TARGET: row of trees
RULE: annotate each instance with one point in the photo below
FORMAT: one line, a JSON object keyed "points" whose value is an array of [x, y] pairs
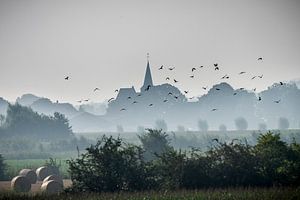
{"points": [[112, 165], [22, 121]]}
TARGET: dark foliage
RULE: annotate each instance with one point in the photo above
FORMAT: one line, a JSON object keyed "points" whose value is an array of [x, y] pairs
{"points": [[2, 168], [111, 165], [22, 121]]}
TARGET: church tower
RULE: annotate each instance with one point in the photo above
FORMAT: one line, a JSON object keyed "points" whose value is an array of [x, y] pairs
{"points": [[148, 77]]}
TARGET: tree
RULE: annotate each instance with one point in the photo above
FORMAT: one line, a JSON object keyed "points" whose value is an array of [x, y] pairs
{"points": [[262, 126], [161, 124], [222, 128], [202, 125], [154, 143], [283, 123], [2, 168], [241, 123], [109, 166]]}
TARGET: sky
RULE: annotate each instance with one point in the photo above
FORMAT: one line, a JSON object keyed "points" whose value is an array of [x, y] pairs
{"points": [[104, 44]]}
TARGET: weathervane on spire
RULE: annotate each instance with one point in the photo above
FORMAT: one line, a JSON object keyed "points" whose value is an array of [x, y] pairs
{"points": [[148, 57]]}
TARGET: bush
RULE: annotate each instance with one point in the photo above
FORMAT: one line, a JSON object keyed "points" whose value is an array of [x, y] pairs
{"points": [[109, 166], [2, 168], [161, 124]]}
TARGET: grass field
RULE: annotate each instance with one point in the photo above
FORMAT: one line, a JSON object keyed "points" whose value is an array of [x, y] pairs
{"points": [[212, 194], [14, 166]]}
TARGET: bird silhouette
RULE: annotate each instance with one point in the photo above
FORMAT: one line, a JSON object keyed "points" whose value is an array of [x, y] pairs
{"points": [[116, 90], [150, 104], [259, 58], [261, 76], [201, 66], [128, 97], [204, 88], [139, 95], [234, 93], [277, 101], [259, 98], [241, 88], [254, 89], [170, 93], [193, 69], [216, 66], [96, 89], [148, 87], [253, 77], [191, 76], [191, 97], [161, 67], [175, 81], [218, 89], [186, 91], [281, 83], [109, 100], [167, 78], [226, 76], [123, 109], [79, 101], [67, 78], [165, 100], [171, 68], [86, 100], [176, 97], [214, 109], [242, 72], [215, 139], [134, 102]]}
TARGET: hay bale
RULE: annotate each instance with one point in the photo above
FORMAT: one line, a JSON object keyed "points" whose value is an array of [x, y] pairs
{"points": [[51, 187], [43, 172], [29, 174], [20, 184], [54, 178]]}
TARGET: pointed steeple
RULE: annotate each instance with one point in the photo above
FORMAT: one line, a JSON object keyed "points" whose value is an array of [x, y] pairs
{"points": [[148, 78]]}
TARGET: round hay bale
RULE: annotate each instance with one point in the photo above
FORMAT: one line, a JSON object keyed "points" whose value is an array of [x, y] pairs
{"points": [[51, 187], [54, 178], [29, 174], [20, 184], [43, 172]]}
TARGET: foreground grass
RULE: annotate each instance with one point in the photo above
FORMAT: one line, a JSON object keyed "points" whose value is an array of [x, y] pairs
{"points": [[231, 193]]}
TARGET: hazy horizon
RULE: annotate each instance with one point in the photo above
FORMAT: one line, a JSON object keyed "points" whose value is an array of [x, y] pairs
{"points": [[104, 44]]}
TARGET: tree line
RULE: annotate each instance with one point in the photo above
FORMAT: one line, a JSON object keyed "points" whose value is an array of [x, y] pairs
{"points": [[113, 165]]}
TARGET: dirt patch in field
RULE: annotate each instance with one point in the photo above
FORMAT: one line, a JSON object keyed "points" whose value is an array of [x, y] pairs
{"points": [[5, 185]]}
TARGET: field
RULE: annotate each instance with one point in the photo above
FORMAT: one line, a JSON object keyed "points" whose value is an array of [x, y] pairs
{"points": [[224, 194]]}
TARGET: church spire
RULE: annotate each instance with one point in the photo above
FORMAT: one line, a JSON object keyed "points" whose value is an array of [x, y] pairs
{"points": [[148, 77]]}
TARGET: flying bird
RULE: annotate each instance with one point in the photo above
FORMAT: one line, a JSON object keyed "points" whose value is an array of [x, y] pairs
{"points": [[170, 93], [281, 83], [214, 109], [67, 78], [218, 89], [171, 68], [150, 104], [216, 66], [234, 93], [254, 89], [79, 101], [242, 72], [191, 97], [128, 97], [123, 109], [215, 139], [226, 76], [96, 89], [204, 88], [167, 78], [110, 99], [201, 66], [175, 81], [192, 76], [186, 92], [261, 76], [242, 88], [259, 98], [176, 97], [253, 77], [277, 101], [116, 90], [86, 100], [259, 58], [165, 100], [148, 87], [139, 95], [161, 67], [193, 69], [134, 102]]}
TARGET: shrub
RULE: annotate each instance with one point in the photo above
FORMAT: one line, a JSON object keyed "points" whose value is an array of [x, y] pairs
{"points": [[2, 168]]}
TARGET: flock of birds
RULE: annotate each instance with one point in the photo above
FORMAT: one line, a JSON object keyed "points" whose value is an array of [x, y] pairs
{"points": [[162, 67]]}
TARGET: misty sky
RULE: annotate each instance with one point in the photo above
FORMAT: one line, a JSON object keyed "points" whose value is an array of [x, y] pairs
{"points": [[104, 44]]}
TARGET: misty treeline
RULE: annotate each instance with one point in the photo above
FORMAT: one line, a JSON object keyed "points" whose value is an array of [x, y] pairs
{"points": [[113, 165]]}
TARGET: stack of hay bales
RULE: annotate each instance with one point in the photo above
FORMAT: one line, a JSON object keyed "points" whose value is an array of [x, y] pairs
{"points": [[43, 172], [20, 184], [54, 178], [29, 174]]}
